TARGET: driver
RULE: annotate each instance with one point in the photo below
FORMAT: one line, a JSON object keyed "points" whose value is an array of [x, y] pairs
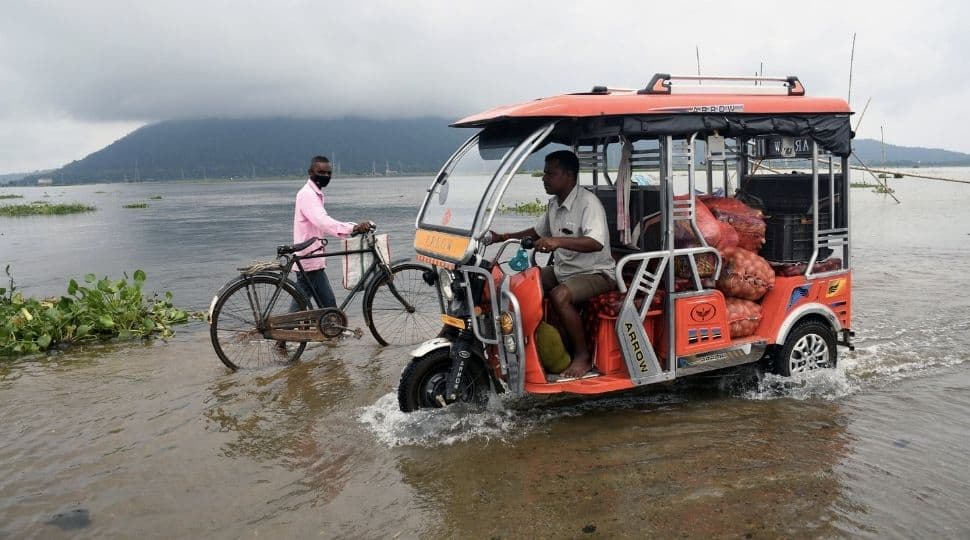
{"points": [[574, 229]]}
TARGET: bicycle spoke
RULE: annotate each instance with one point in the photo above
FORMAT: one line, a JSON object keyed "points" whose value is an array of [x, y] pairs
{"points": [[238, 338], [391, 319]]}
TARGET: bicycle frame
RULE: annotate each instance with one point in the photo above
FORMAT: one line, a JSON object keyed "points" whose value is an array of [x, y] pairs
{"points": [[370, 274], [378, 268]]}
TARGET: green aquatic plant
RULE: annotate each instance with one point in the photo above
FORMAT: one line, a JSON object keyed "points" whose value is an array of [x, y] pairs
{"points": [[41, 208], [10, 196], [534, 208], [136, 205], [155, 198], [100, 309]]}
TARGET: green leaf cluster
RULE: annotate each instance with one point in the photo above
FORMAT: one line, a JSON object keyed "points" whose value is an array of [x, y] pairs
{"points": [[43, 208], [534, 208], [99, 309]]}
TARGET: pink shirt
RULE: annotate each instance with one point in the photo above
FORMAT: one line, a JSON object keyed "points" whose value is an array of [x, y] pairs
{"points": [[310, 219]]}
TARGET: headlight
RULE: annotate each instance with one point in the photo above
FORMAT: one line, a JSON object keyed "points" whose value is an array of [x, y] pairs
{"points": [[445, 279], [506, 322]]}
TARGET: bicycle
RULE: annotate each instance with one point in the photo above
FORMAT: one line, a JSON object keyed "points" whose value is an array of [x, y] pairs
{"points": [[251, 322]]}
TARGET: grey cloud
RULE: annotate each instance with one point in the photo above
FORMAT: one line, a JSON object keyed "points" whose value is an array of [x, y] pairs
{"points": [[114, 61]]}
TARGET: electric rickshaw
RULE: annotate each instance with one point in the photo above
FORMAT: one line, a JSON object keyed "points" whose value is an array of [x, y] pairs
{"points": [[775, 287]]}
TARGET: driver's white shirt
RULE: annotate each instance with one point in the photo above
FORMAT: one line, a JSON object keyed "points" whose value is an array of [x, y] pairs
{"points": [[580, 214]]}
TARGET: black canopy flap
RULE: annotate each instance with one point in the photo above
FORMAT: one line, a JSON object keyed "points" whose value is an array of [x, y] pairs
{"points": [[833, 132]]}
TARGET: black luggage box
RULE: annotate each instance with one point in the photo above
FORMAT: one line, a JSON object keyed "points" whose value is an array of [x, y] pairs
{"points": [[786, 193], [788, 238]]}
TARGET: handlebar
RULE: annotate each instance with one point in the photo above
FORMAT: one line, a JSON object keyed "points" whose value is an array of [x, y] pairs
{"points": [[373, 228]]}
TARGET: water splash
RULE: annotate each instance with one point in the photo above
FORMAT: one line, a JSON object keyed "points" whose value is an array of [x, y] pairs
{"points": [[447, 426]]}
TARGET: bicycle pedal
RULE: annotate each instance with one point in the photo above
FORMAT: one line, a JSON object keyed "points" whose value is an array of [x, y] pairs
{"points": [[357, 333]]}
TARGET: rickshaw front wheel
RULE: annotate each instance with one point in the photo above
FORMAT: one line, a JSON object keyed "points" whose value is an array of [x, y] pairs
{"points": [[426, 378], [809, 346]]}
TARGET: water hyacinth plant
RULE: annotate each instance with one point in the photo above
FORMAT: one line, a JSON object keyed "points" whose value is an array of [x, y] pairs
{"points": [[43, 208], [534, 208], [100, 309]]}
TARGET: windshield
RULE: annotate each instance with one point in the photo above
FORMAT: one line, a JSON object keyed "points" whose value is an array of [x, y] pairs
{"points": [[467, 181]]}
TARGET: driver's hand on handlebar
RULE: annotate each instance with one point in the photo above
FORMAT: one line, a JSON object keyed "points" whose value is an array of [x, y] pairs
{"points": [[547, 244], [364, 226], [493, 237]]}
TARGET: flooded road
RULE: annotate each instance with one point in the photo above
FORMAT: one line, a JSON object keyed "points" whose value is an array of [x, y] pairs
{"points": [[158, 440]]}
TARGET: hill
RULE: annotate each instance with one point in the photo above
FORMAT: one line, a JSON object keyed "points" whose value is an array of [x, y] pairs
{"points": [[223, 148], [272, 147], [870, 151]]}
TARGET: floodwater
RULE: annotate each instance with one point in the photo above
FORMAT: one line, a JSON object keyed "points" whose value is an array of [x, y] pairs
{"points": [[158, 440]]}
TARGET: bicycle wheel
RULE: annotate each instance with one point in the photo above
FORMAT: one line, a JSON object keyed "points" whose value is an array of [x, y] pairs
{"points": [[236, 332], [390, 321]]}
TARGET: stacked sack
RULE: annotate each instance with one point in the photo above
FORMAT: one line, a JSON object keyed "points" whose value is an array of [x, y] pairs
{"points": [[712, 231], [737, 231], [747, 222], [745, 275]]}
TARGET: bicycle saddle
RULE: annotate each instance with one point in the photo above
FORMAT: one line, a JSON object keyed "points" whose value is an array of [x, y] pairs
{"points": [[286, 249]]}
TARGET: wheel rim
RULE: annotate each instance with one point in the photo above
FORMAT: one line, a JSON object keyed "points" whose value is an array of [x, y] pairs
{"points": [[398, 325], [434, 386], [810, 352], [238, 339]]}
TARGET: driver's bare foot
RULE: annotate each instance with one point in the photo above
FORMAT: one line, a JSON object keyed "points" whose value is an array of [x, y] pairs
{"points": [[579, 366]]}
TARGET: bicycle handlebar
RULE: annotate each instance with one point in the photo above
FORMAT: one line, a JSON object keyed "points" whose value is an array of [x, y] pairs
{"points": [[373, 228]]}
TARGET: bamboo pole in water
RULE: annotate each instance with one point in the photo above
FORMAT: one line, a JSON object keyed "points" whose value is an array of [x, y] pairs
{"points": [[883, 184], [924, 176]]}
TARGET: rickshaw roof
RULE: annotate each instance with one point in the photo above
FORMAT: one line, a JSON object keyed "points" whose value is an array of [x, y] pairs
{"points": [[666, 106], [632, 103]]}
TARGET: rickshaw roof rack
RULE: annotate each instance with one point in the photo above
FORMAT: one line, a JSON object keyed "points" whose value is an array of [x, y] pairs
{"points": [[667, 96], [663, 83]]}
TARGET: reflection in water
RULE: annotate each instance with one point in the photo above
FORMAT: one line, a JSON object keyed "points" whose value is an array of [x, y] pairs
{"points": [[684, 464], [275, 418]]}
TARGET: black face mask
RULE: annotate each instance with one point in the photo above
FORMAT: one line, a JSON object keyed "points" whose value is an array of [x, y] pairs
{"points": [[321, 180]]}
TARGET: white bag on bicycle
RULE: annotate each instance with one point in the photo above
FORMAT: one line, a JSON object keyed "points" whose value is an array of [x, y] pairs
{"points": [[356, 264]]}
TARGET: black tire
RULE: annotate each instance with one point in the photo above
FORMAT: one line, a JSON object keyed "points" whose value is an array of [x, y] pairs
{"points": [[810, 345], [236, 334], [426, 377], [389, 321]]}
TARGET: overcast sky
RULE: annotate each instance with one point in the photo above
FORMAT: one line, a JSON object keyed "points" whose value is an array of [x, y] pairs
{"points": [[75, 76]]}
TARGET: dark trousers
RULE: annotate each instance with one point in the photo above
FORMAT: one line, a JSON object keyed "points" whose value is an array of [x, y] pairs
{"points": [[315, 280]]}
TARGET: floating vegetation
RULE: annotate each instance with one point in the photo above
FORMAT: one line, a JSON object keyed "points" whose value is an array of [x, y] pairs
{"points": [[99, 310], [534, 208], [136, 205], [10, 196], [155, 198], [41, 208], [862, 185]]}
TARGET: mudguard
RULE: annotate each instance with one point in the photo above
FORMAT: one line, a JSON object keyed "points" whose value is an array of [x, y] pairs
{"points": [[800, 312], [430, 345]]}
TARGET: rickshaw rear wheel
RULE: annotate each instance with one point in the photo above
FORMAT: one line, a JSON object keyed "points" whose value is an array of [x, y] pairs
{"points": [[426, 377], [809, 346]]}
